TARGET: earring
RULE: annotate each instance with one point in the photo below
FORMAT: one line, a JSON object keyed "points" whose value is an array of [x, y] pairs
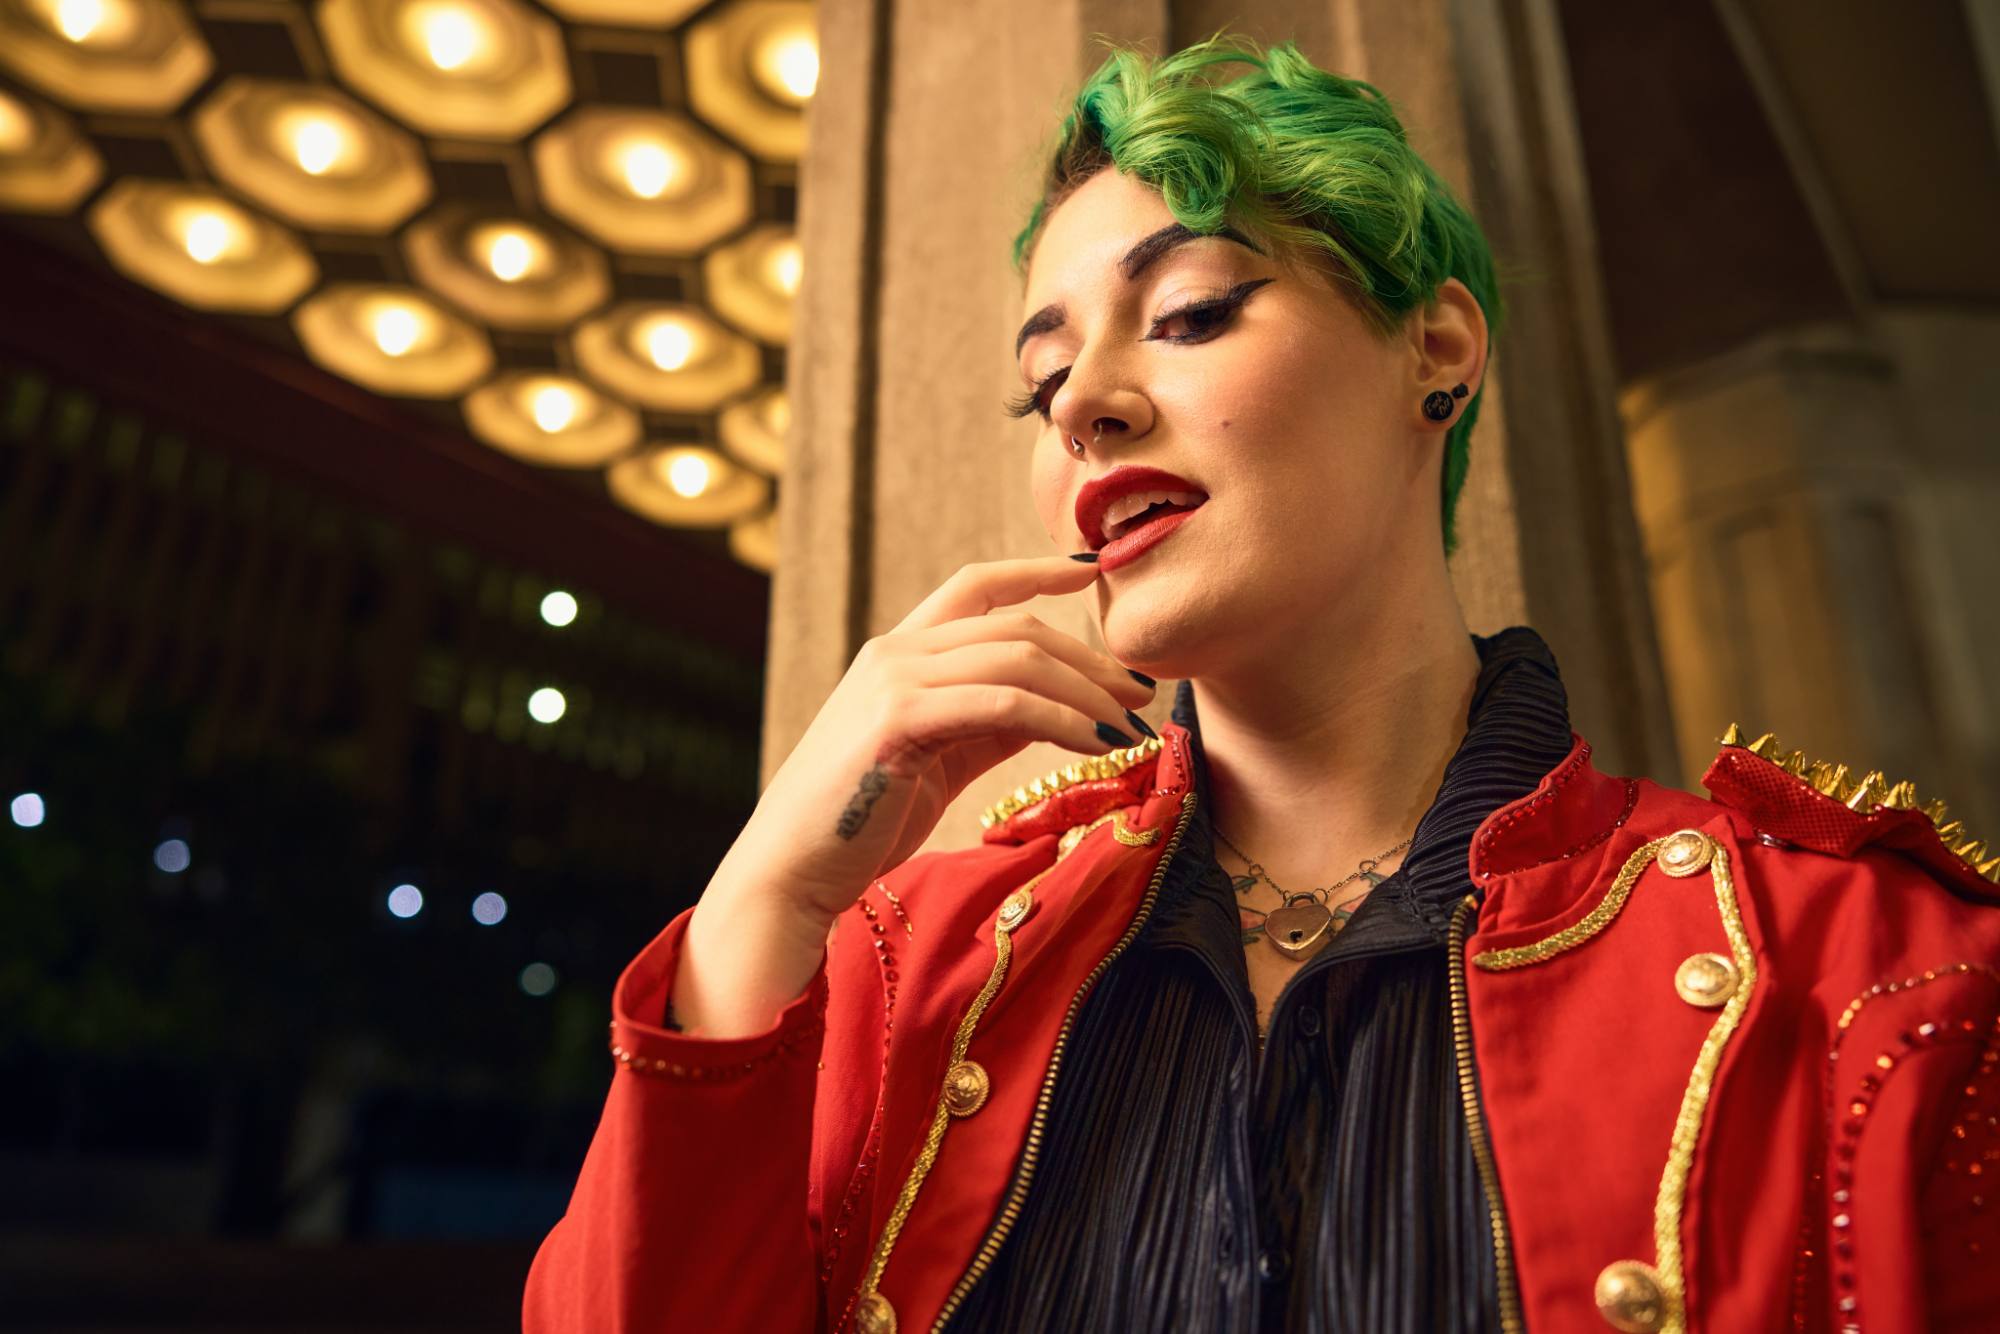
{"points": [[1438, 404]]}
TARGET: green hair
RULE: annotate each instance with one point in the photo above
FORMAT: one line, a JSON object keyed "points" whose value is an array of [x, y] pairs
{"points": [[1316, 164]]}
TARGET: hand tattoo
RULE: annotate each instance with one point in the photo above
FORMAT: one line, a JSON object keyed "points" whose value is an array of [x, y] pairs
{"points": [[873, 784]]}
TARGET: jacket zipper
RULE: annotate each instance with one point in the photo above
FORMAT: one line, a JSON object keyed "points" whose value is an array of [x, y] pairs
{"points": [[1475, 1121], [1010, 1209]]}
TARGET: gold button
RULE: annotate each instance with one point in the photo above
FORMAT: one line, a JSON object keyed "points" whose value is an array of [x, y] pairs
{"points": [[1707, 980], [1015, 909], [875, 1315], [1686, 852], [965, 1088], [1629, 1297]]}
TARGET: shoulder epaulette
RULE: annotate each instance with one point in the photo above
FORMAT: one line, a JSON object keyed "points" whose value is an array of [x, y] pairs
{"points": [[1873, 801], [1090, 768]]}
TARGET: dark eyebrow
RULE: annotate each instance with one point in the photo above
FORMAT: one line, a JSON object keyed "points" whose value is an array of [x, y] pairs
{"points": [[1045, 320], [1167, 238], [1135, 261]]}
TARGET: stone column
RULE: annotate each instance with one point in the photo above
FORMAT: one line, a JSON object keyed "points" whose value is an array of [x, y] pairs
{"points": [[1818, 532], [924, 150]]}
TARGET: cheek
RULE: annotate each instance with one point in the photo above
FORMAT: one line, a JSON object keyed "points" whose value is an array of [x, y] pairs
{"points": [[1048, 482]]}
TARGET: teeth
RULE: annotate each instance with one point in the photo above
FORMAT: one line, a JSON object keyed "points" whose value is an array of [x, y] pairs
{"points": [[1138, 502]]}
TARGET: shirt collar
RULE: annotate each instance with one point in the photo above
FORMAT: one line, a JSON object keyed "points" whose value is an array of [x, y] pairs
{"points": [[1517, 730]]}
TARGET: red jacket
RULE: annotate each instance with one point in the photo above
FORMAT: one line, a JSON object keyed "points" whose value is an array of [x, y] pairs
{"points": [[1729, 1065]]}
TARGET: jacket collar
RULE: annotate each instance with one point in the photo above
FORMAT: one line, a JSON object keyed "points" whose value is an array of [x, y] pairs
{"points": [[1517, 735]]}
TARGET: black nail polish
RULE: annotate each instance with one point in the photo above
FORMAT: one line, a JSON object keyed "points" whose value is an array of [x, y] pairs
{"points": [[1111, 736], [1087, 557], [1141, 677], [1140, 723]]}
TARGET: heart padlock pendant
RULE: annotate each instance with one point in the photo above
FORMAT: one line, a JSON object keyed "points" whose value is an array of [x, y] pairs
{"points": [[1301, 928]]}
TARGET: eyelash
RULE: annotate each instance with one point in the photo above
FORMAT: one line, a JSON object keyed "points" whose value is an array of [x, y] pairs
{"points": [[1038, 399]]}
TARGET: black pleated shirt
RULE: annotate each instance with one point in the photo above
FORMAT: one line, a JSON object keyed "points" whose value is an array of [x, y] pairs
{"points": [[1188, 1183]]}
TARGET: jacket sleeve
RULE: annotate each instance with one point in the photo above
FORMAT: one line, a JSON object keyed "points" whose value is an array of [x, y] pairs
{"points": [[691, 1208]]}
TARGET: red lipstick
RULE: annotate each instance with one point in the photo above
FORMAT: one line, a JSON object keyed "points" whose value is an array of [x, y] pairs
{"points": [[1096, 496]]}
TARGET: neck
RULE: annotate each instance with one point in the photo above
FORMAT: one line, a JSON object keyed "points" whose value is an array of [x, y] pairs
{"points": [[1354, 724]]}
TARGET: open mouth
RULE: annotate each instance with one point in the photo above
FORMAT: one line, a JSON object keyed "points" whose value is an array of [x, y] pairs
{"points": [[1129, 513]]}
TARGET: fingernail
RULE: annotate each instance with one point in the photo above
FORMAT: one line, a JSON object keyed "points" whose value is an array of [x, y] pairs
{"points": [[1140, 723], [1141, 677], [1087, 557], [1111, 736]]}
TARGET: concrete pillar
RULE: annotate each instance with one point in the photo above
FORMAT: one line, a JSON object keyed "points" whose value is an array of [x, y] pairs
{"points": [[925, 148], [1817, 510]]}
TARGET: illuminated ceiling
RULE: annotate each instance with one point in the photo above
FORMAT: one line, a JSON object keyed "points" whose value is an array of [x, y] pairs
{"points": [[566, 227]]}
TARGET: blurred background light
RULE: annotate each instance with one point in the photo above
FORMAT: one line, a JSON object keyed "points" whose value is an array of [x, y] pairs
{"points": [[558, 608], [538, 979], [27, 809], [406, 901], [172, 855], [546, 705], [489, 909]]}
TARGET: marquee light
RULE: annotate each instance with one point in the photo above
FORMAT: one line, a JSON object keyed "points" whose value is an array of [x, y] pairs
{"points": [[394, 340], [312, 155], [686, 486], [200, 248], [551, 419], [667, 357]]}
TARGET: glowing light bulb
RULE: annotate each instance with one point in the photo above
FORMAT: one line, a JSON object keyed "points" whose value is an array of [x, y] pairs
{"points": [[317, 144], [689, 475], [795, 62], [670, 344], [510, 255], [553, 407], [649, 169], [451, 36], [559, 608], [397, 329], [778, 413], [788, 265], [546, 705], [207, 235], [78, 19]]}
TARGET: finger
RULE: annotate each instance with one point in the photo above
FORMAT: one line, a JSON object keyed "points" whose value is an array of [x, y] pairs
{"points": [[1100, 667], [1022, 663], [980, 587], [939, 717]]}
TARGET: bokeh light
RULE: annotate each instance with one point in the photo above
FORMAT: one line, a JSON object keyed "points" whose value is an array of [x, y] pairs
{"points": [[538, 979], [558, 608], [28, 810], [406, 901], [489, 909], [546, 705], [172, 856]]}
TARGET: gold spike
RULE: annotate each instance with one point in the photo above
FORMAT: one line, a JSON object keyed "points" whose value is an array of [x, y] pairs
{"points": [[1816, 774], [1794, 763], [1834, 782], [1733, 737], [1951, 831], [1869, 795], [1902, 797], [1765, 745], [1990, 869], [1972, 850], [1936, 810]]}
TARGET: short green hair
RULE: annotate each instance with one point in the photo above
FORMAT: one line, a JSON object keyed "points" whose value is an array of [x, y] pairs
{"points": [[1316, 164]]}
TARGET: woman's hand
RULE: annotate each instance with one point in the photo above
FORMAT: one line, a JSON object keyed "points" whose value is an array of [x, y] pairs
{"points": [[925, 709]]}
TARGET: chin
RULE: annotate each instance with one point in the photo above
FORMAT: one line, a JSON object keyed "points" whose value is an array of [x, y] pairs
{"points": [[1159, 627]]}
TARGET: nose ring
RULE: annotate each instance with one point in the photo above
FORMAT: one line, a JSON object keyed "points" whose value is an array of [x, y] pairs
{"points": [[1096, 437]]}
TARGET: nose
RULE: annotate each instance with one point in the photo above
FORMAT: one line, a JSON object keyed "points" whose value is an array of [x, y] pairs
{"points": [[1096, 406]]}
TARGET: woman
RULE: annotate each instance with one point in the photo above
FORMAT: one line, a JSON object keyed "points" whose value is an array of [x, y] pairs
{"points": [[1357, 999]]}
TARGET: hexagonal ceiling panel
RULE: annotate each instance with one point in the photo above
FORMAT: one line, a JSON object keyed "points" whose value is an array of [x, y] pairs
{"points": [[565, 228]]}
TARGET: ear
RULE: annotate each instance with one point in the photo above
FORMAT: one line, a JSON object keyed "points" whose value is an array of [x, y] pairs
{"points": [[1448, 338]]}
